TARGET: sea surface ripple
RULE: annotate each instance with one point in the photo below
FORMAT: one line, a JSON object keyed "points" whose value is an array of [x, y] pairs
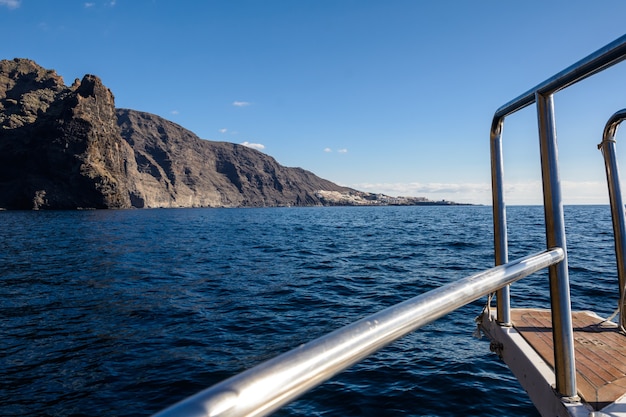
{"points": [[122, 313]]}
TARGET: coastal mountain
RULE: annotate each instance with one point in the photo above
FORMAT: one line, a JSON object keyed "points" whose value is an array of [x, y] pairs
{"points": [[172, 166], [69, 147]]}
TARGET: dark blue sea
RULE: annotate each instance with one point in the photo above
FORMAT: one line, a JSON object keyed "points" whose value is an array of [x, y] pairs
{"points": [[122, 313]]}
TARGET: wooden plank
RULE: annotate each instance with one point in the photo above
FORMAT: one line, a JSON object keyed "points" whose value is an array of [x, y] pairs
{"points": [[600, 351]]}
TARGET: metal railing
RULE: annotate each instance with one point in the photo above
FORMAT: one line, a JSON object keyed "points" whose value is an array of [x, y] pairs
{"points": [[272, 384], [542, 95], [607, 146]]}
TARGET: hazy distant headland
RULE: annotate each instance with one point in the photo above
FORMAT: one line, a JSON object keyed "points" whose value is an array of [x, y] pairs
{"points": [[69, 148]]}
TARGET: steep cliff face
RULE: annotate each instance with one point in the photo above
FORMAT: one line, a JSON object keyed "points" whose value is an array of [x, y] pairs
{"points": [[68, 147], [60, 147], [175, 168]]}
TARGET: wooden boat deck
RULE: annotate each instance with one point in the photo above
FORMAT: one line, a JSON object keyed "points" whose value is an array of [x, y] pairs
{"points": [[600, 351]]}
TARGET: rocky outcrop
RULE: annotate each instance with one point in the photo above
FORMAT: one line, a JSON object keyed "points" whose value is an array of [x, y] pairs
{"points": [[60, 147], [68, 147]]}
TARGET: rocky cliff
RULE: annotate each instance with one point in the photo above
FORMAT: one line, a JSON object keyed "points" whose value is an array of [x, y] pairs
{"points": [[69, 147], [172, 167], [60, 146]]}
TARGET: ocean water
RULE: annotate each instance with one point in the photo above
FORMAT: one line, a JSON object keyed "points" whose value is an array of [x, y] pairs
{"points": [[122, 313]]}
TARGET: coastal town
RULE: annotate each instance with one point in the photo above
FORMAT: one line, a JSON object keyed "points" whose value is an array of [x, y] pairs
{"points": [[359, 198]]}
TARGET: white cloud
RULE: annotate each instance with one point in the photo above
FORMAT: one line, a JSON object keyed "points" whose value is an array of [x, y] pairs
{"points": [[329, 150], [11, 4], [460, 193], [111, 3], [223, 130], [241, 103], [254, 145], [88, 5], [585, 192], [515, 193], [473, 193], [174, 112]]}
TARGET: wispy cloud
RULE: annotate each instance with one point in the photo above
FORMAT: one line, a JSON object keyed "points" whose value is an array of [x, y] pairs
{"points": [[174, 112], [329, 150], [516, 193], [585, 192], [432, 187], [111, 3], [475, 193], [11, 4], [254, 145], [88, 5], [241, 103], [223, 131]]}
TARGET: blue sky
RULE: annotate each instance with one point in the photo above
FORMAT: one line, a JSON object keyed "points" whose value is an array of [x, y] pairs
{"points": [[384, 96]]}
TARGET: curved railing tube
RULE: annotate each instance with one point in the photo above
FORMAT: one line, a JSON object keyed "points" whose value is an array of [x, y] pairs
{"points": [[272, 384], [542, 94], [607, 146], [598, 61]]}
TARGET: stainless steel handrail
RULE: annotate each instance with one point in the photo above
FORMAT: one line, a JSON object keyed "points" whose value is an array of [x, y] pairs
{"points": [[542, 94], [607, 146], [598, 61], [272, 384]]}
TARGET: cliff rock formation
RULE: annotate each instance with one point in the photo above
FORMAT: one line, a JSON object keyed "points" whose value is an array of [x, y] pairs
{"points": [[60, 146], [173, 167], [69, 147]]}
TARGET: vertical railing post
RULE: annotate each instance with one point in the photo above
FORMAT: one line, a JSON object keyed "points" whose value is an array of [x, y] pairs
{"points": [[503, 306], [607, 146], [562, 332]]}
